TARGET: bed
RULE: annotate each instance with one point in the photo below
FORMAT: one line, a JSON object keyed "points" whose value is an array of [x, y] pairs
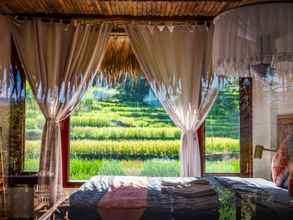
{"points": [[142, 198]]}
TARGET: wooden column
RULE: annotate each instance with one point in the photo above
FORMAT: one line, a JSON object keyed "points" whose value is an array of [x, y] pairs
{"points": [[246, 147]]}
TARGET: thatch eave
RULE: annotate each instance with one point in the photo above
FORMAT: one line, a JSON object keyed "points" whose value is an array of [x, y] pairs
{"points": [[120, 60]]}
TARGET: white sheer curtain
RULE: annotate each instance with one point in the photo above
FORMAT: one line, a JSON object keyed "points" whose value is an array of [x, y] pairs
{"points": [[5, 57], [176, 61], [60, 61], [251, 39]]}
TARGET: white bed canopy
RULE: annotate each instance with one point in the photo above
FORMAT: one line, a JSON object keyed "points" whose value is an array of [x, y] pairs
{"points": [[256, 38]]}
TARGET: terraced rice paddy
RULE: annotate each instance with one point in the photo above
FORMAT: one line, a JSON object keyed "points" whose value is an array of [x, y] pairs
{"points": [[123, 137]]}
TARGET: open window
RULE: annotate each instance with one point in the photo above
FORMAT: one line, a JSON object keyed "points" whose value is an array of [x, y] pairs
{"points": [[34, 122], [222, 131], [123, 130], [227, 133]]}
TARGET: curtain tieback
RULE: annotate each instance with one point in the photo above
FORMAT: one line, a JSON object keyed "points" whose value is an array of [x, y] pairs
{"points": [[45, 174], [189, 135], [53, 122]]}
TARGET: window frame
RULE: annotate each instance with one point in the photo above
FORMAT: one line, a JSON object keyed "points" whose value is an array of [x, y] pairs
{"points": [[245, 100], [246, 148]]}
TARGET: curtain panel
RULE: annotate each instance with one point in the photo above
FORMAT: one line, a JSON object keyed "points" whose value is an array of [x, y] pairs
{"points": [[6, 81], [176, 61], [60, 61]]}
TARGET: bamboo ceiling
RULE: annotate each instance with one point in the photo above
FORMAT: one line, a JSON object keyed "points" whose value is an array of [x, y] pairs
{"points": [[128, 8], [119, 58]]}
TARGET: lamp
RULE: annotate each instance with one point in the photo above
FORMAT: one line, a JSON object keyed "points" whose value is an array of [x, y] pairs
{"points": [[259, 151]]}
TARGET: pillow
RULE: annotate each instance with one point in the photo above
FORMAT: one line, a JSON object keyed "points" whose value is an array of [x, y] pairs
{"points": [[280, 163]]}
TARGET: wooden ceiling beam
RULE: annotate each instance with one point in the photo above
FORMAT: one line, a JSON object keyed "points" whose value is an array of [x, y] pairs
{"points": [[85, 1], [113, 18]]}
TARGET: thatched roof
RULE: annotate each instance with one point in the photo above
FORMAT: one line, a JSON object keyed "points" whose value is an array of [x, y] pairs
{"points": [[119, 58]]}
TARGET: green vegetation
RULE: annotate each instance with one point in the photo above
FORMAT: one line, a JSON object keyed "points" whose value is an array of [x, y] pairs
{"points": [[84, 169], [115, 132], [133, 149]]}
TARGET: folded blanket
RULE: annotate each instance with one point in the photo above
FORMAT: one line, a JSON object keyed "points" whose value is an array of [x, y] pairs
{"points": [[186, 184], [195, 188], [125, 200], [125, 194]]}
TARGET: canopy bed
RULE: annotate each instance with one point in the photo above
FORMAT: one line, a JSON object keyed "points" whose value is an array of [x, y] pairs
{"points": [[185, 60]]}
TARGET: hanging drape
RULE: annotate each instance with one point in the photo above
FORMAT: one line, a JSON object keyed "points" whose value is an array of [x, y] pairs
{"points": [[254, 39], [176, 63], [60, 61], [5, 57]]}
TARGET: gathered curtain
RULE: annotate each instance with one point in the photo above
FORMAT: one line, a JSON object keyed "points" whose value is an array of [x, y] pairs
{"points": [[60, 61], [176, 61]]}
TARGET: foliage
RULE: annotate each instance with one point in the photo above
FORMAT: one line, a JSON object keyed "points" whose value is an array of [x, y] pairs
{"points": [[109, 118], [220, 166], [84, 169], [31, 164], [157, 167], [115, 133], [221, 145], [130, 149], [111, 167], [225, 112], [133, 90]]}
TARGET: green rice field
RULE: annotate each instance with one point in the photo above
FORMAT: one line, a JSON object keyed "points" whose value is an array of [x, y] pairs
{"points": [[118, 133], [84, 169]]}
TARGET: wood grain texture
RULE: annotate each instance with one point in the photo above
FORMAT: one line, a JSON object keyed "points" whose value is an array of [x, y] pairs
{"points": [[171, 8], [246, 117]]}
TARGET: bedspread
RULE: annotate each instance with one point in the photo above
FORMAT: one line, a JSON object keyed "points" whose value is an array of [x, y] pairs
{"points": [[145, 198]]}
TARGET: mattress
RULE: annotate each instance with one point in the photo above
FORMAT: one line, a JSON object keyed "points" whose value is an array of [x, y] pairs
{"points": [[142, 198]]}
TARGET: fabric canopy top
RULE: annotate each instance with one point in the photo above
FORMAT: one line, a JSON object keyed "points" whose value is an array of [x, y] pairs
{"points": [[254, 39]]}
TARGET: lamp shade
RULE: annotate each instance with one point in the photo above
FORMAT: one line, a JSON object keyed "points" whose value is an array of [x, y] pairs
{"points": [[248, 36]]}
